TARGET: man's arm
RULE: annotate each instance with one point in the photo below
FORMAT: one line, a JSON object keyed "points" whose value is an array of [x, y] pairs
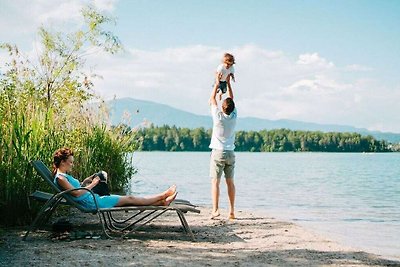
{"points": [[212, 100]]}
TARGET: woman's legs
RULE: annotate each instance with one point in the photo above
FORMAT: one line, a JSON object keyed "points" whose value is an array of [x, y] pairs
{"points": [[164, 198]]}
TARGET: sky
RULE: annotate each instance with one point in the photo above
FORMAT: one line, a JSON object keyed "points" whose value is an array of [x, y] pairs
{"points": [[330, 62]]}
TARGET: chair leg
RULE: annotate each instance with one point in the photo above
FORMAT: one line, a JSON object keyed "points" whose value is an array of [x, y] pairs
{"points": [[185, 225], [104, 224], [161, 212], [49, 212], [125, 220], [47, 208]]}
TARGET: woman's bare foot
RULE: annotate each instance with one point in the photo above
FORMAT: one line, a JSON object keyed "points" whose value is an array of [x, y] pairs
{"points": [[215, 214], [231, 216], [169, 199], [170, 191]]}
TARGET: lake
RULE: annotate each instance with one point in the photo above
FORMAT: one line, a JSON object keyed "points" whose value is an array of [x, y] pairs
{"points": [[353, 198]]}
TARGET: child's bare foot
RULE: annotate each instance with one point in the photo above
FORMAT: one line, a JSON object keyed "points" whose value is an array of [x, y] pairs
{"points": [[214, 214], [170, 191], [171, 198]]}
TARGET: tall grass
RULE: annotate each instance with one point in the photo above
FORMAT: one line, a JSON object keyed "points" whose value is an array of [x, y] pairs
{"points": [[42, 108], [29, 131]]}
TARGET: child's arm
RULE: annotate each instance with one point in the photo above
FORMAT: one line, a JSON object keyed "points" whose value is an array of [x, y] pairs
{"points": [[228, 83], [233, 77]]}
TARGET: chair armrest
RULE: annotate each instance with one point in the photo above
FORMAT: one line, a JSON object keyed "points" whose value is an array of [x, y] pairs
{"points": [[80, 188]]}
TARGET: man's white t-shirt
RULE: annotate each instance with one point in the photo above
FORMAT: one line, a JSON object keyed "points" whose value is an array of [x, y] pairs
{"points": [[225, 72], [223, 133]]}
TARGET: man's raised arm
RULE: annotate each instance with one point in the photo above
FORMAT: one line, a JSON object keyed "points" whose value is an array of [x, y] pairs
{"points": [[212, 100]]}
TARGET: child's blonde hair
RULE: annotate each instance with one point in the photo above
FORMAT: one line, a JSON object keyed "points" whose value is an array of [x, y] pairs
{"points": [[228, 58]]}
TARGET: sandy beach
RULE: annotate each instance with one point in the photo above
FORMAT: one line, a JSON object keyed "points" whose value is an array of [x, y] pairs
{"points": [[250, 240]]}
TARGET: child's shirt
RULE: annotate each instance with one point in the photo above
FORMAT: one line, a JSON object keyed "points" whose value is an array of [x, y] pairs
{"points": [[225, 72]]}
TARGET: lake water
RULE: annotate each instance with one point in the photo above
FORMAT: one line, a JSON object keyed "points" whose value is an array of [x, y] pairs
{"points": [[352, 198]]}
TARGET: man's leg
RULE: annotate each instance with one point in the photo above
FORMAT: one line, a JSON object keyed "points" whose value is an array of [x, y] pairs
{"points": [[215, 197], [231, 194], [229, 174], [216, 168]]}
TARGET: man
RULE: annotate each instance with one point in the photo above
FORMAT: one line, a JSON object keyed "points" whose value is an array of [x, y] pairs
{"points": [[222, 145]]}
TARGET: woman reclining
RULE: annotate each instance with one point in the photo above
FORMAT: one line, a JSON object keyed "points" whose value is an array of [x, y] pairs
{"points": [[62, 164]]}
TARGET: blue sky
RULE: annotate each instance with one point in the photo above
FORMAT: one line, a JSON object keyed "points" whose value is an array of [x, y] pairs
{"points": [[366, 32], [317, 61]]}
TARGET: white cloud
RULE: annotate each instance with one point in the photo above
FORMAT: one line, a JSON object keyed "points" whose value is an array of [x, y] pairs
{"points": [[320, 85], [269, 85], [356, 67], [314, 60], [20, 19]]}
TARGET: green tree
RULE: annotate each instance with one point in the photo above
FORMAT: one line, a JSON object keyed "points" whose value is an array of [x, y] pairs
{"points": [[43, 107]]}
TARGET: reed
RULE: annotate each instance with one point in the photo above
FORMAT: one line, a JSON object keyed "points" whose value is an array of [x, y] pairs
{"points": [[29, 131], [43, 106]]}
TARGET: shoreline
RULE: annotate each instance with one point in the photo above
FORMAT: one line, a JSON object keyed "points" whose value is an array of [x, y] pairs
{"points": [[253, 239], [325, 229]]}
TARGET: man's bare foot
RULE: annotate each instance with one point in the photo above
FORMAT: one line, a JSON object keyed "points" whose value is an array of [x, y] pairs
{"points": [[171, 198], [170, 191], [231, 216], [214, 214]]}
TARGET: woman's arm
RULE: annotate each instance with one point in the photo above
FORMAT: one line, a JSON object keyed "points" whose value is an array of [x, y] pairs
{"points": [[88, 180], [63, 182]]}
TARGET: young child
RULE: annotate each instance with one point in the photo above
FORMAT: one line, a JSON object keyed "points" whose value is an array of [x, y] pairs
{"points": [[225, 72]]}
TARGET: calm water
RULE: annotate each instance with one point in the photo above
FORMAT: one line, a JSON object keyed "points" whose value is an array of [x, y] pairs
{"points": [[351, 198]]}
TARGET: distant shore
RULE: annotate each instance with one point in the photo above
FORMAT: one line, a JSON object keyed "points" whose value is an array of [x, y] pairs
{"points": [[250, 240]]}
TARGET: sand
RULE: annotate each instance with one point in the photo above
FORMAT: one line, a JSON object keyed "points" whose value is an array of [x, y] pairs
{"points": [[250, 240]]}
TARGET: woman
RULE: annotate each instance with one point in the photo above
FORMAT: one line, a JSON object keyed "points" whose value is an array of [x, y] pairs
{"points": [[62, 164]]}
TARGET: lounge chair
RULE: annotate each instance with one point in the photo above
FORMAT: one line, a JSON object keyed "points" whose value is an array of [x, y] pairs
{"points": [[110, 225]]}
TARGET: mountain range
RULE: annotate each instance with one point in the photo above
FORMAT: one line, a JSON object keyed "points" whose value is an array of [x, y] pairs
{"points": [[141, 113]]}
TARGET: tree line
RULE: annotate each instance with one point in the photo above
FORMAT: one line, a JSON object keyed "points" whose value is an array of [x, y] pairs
{"points": [[171, 138]]}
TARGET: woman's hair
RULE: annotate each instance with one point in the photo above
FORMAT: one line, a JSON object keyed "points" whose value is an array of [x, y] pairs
{"points": [[60, 155], [229, 58]]}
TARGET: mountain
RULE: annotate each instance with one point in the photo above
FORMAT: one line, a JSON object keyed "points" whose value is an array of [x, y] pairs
{"points": [[141, 113]]}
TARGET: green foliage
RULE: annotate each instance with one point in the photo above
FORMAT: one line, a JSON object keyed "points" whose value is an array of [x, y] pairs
{"points": [[281, 140], [43, 106]]}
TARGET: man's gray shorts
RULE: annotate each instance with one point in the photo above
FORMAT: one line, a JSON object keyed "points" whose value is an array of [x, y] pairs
{"points": [[222, 161]]}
